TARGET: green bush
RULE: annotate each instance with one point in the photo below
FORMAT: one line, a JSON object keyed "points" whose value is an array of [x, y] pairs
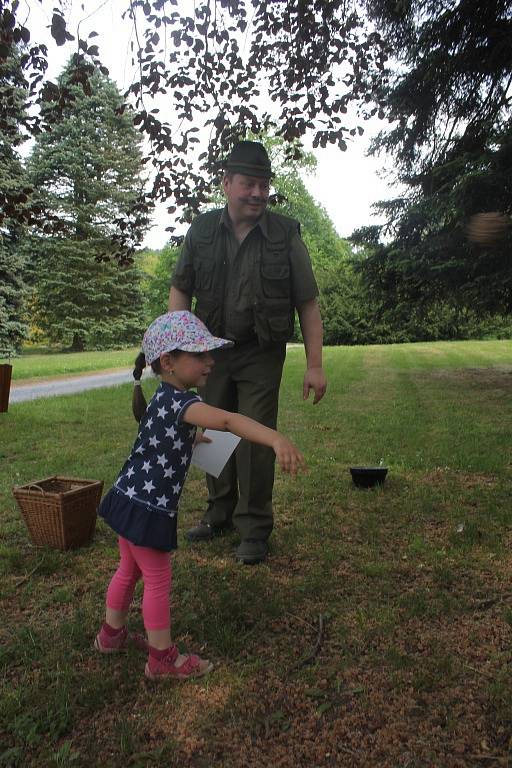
{"points": [[157, 284], [352, 315]]}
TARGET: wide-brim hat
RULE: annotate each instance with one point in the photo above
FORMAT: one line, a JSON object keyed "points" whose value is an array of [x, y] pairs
{"points": [[249, 158], [179, 330]]}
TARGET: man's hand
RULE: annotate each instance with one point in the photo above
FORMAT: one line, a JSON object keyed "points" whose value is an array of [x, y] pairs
{"points": [[314, 379]]}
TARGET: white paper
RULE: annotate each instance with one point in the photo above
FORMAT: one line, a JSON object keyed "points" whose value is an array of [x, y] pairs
{"points": [[212, 457]]}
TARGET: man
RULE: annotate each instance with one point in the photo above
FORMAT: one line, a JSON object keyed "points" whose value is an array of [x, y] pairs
{"points": [[249, 270]]}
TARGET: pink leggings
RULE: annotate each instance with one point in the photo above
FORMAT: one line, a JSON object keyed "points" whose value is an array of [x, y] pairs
{"points": [[155, 568]]}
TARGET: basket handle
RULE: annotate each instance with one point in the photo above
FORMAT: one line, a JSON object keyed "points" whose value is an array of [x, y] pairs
{"points": [[34, 485]]}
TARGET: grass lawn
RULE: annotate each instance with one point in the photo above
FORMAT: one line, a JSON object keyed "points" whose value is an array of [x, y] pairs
{"points": [[378, 633], [38, 366]]}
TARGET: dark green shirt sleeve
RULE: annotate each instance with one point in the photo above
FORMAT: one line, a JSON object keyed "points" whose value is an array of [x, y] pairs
{"points": [[184, 276], [304, 287]]}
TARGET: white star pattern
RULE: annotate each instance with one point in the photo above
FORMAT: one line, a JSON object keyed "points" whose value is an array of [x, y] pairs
{"points": [[148, 486], [155, 472]]}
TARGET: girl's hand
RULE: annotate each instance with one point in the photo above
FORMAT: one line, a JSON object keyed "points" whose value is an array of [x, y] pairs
{"points": [[200, 438], [289, 457]]}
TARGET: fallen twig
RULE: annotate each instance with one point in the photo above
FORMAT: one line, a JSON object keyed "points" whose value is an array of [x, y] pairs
{"points": [[478, 671], [299, 618], [27, 576], [487, 602], [312, 656]]}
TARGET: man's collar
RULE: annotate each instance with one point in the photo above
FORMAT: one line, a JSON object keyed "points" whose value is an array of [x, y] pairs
{"points": [[224, 218], [262, 222]]}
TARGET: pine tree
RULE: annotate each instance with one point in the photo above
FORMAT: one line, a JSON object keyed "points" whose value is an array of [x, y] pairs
{"points": [[12, 192], [449, 103], [87, 171]]}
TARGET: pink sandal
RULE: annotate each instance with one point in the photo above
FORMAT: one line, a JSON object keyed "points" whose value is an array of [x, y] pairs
{"points": [[105, 643], [193, 666]]}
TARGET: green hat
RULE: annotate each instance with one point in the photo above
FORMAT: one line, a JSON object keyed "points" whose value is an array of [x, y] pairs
{"points": [[249, 158]]}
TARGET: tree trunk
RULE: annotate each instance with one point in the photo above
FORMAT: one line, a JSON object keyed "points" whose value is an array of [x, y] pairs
{"points": [[78, 344]]}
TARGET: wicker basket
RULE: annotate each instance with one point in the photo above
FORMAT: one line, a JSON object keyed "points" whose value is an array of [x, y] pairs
{"points": [[60, 512]]}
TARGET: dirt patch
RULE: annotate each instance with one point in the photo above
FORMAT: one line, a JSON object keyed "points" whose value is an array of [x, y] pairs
{"points": [[497, 376], [441, 476], [424, 696], [434, 711]]}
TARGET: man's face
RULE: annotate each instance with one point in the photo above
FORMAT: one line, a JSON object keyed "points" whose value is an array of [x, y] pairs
{"points": [[247, 196]]}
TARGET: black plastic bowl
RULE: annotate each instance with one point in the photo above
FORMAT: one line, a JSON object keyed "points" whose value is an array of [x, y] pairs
{"points": [[368, 477]]}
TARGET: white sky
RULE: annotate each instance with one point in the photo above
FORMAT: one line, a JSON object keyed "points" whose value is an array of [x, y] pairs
{"points": [[346, 183]]}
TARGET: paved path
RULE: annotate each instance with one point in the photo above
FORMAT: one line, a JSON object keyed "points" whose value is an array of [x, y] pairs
{"points": [[69, 386], [73, 384]]}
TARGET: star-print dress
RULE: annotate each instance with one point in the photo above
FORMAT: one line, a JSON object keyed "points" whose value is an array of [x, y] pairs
{"points": [[142, 505]]}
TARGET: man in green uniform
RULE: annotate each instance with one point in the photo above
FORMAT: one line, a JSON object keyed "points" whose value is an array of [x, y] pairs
{"points": [[249, 271]]}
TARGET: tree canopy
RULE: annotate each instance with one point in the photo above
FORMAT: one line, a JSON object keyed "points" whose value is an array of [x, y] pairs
{"points": [[449, 101], [230, 66], [440, 72], [452, 83]]}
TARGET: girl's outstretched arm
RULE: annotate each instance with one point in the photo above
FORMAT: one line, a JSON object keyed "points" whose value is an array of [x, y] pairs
{"points": [[289, 457]]}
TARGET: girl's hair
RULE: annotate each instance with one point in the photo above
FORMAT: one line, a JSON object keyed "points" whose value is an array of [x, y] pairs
{"points": [[139, 403]]}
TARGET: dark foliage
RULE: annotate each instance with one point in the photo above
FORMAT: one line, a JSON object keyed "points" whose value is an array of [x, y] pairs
{"points": [[213, 62], [453, 82], [13, 198], [451, 142]]}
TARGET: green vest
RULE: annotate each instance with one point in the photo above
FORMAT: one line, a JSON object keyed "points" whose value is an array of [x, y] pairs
{"points": [[273, 305]]}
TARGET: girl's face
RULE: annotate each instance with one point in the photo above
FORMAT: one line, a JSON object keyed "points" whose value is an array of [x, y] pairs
{"points": [[186, 369]]}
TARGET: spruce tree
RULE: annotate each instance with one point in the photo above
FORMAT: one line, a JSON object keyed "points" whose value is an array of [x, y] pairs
{"points": [[12, 195], [87, 171]]}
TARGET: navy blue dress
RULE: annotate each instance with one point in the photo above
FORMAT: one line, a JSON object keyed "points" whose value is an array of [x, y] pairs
{"points": [[142, 505]]}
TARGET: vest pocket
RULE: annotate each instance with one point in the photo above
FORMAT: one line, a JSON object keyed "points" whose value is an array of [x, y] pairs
{"points": [[209, 312], [280, 327], [271, 330], [204, 275], [275, 280]]}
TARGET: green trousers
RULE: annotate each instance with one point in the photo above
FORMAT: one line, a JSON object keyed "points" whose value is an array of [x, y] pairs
{"points": [[245, 379]]}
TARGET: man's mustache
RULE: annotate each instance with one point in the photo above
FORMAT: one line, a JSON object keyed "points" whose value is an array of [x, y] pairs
{"points": [[253, 200]]}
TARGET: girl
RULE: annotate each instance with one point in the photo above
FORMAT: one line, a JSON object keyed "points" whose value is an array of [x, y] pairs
{"points": [[143, 502]]}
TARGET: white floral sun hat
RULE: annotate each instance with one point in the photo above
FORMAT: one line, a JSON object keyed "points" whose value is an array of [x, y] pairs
{"points": [[179, 330]]}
